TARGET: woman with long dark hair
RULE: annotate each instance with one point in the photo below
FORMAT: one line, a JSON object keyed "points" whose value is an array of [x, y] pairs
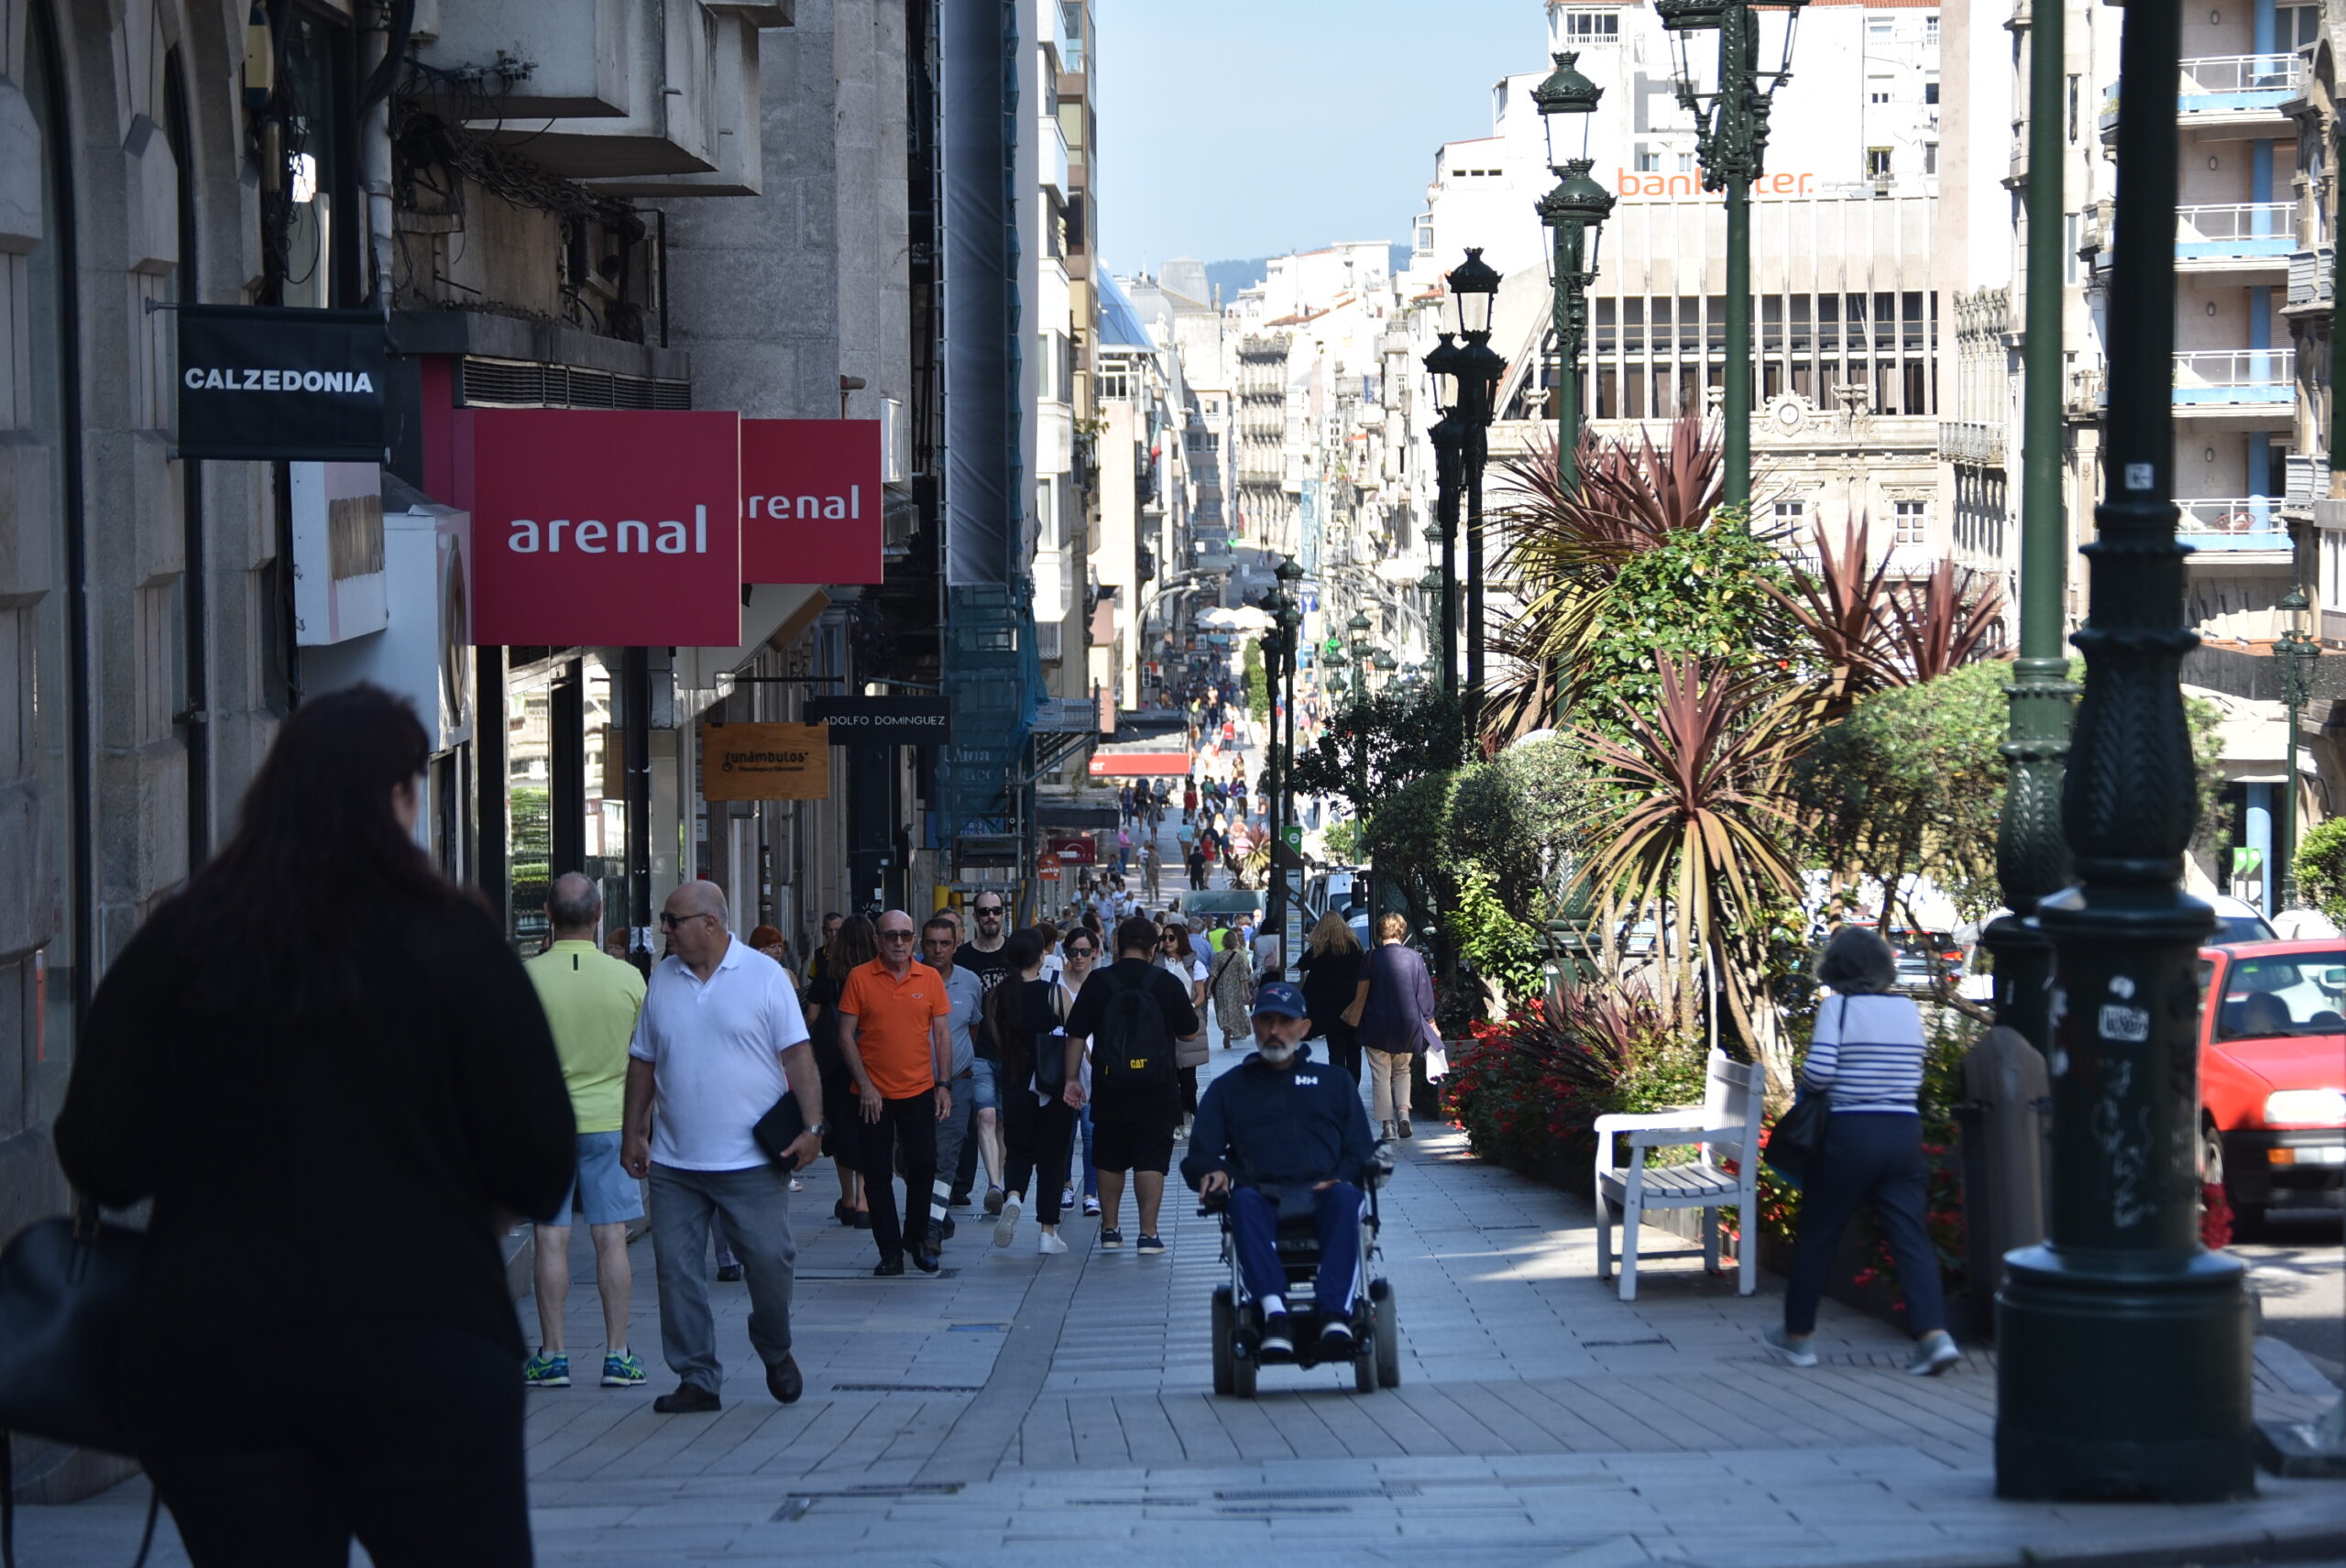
{"points": [[856, 944], [1026, 1016], [331, 1076]]}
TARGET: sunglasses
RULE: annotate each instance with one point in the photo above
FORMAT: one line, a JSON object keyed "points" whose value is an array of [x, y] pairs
{"points": [[982, 910], [1081, 952], [895, 936], [670, 922]]}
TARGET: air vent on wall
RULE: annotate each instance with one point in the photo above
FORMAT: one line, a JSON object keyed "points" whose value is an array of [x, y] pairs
{"points": [[517, 384]]}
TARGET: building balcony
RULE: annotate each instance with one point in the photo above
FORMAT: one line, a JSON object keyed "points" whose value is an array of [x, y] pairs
{"points": [[1972, 442], [2254, 237], [2308, 480], [2232, 93], [2234, 531], [2313, 276], [2254, 385]]}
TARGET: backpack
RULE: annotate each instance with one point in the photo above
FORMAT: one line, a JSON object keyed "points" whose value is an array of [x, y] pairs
{"points": [[1132, 1053]]}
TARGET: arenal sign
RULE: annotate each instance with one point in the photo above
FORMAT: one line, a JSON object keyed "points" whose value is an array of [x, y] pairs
{"points": [[812, 504], [602, 526], [280, 383]]}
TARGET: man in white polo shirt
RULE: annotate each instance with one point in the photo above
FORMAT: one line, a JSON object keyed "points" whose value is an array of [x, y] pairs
{"points": [[720, 1040]]}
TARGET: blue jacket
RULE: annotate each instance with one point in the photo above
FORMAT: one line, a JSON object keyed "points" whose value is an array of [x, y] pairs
{"points": [[1269, 1125]]}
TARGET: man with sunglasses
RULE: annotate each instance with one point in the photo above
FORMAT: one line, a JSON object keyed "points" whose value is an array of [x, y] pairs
{"points": [[900, 1052], [719, 1042], [982, 956]]}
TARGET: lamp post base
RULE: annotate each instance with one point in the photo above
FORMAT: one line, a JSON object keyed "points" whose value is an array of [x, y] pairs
{"points": [[2124, 1377]]}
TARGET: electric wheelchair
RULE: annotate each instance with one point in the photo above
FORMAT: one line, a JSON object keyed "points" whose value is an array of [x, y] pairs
{"points": [[1375, 1351]]}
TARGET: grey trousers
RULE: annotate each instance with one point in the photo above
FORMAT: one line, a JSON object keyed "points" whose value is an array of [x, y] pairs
{"points": [[755, 1203], [952, 1136]]}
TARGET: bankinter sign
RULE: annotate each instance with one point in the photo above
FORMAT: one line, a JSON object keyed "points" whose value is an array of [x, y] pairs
{"points": [[602, 527]]}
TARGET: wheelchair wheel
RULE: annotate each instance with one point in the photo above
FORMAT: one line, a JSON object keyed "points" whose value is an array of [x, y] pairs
{"points": [[1225, 1333], [1364, 1373], [1388, 1334]]}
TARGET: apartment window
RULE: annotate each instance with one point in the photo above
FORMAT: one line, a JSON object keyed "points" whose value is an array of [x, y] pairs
{"points": [[2072, 236], [1879, 28], [1584, 28], [2074, 90], [1685, 163], [1790, 514], [1930, 91], [1879, 96], [1649, 160], [1877, 163], [1930, 30], [1044, 360], [1913, 520], [1930, 157], [1425, 238], [2296, 26], [2333, 569]]}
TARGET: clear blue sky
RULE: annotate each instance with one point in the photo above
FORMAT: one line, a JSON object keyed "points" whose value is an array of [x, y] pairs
{"points": [[1232, 128]]}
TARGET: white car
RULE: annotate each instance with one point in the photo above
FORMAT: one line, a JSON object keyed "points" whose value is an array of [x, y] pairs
{"points": [[2239, 921]]}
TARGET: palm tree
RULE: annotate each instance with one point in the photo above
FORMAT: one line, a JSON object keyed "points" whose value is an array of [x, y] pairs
{"points": [[1872, 634], [1698, 835]]}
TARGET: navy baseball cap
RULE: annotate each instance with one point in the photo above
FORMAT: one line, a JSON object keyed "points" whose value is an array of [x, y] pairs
{"points": [[1282, 999]]}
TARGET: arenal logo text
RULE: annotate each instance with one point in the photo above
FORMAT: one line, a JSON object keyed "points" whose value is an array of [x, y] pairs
{"points": [[848, 506], [631, 536], [197, 380]]}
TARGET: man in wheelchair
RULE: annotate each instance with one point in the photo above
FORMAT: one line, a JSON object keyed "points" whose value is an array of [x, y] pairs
{"points": [[1282, 1137]]}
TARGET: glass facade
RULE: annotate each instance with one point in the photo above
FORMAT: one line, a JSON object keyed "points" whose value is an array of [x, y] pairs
{"points": [[565, 805]]}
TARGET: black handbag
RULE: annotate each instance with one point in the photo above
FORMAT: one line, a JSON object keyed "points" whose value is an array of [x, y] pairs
{"points": [[1799, 1133], [66, 1284]]}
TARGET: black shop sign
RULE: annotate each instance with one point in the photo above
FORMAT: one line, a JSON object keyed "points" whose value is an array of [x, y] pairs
{"points": [[282, 384], [883, 720]]}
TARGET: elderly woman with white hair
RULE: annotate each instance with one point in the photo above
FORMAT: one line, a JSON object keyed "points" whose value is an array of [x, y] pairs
{"points": [[1865, 1056]]}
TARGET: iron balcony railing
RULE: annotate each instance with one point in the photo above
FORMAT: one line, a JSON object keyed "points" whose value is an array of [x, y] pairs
{"points": [[2308, 480], [2238, 83], [2235, 378], [2236, 230], [2232, 522]]}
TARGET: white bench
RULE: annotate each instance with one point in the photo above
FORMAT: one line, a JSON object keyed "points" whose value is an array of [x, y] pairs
{"points": [[1725, 1127]]}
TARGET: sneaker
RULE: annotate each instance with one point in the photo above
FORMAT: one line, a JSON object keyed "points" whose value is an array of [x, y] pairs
{"points": [[1109, 1239], [1336, 1336], [622, 1369], [730, 1273], [1278, 1344], [796, 1184], [1007, 1226], [1049, 1245], [544, 1371], [1384, 1132], [1790, 1351], [1149, 1247], [994, 1196], [1934, 1354], [1067, 1201], [1405, 1128], [1090, 1207], [960, 1201]]}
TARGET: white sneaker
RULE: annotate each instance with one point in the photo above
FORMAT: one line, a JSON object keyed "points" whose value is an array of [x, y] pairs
{"points": [[1790, 1351], [1007, 1226], [1934, 1354], [1049, 1245]]}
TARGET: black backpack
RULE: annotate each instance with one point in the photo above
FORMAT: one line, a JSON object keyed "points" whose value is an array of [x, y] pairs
{"points": [[1132, 1053]]}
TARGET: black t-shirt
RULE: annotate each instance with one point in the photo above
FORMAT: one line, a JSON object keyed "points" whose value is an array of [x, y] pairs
{"points": [[1172, 995]]}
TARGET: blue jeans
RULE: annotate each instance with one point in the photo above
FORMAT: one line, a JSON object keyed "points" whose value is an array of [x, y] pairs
{"points": [[1254, 1224], [1867, 1154]]}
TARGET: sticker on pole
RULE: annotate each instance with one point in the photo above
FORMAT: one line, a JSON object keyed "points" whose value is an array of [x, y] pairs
{"points": [[2122, 1023], [2140, 477]]}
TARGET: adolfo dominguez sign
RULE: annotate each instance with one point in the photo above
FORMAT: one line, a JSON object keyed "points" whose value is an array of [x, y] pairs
{"points": [[883, 720], [281, 384]]}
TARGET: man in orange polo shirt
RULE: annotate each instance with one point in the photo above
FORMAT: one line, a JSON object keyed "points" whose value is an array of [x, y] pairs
{"points": [[900, 1052]]}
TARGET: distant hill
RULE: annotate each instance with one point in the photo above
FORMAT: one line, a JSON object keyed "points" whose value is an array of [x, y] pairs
{"points": [[1230, 276]]}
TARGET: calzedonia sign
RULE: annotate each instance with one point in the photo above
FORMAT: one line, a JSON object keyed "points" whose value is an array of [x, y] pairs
{"points": [[281, 384], [606, 527]]}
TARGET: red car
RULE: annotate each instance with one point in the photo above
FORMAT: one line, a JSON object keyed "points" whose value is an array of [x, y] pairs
{"points": [[2273, 1075]]}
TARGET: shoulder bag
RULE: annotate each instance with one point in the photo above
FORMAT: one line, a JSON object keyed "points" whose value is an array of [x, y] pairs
{"points": [[1799, 1133], [66, 1284]]}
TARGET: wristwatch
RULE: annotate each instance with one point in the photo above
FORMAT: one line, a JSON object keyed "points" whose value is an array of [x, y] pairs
{"points": [[820, 1129]]}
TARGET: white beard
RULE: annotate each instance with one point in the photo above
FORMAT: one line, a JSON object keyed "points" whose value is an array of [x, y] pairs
{"points": [[1276, 1055]]}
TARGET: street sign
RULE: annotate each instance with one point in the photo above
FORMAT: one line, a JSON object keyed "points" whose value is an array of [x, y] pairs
{"points": [[764, 762], [1293, 834], [883, 720]]}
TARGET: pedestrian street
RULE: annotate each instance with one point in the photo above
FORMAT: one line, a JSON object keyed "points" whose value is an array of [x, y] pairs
{"points": [[1016, 1409]]}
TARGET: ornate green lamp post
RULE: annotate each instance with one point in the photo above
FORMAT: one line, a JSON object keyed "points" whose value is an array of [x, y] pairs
{"points": [[1287, 611], [1475, 286], [1576, 209], [2123, 1364], [1449, 438], [1731, 139], [2296, 649], [2031, 861]]}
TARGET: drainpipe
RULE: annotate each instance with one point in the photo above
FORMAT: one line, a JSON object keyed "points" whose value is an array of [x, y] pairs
{"points": [[385, 47]]}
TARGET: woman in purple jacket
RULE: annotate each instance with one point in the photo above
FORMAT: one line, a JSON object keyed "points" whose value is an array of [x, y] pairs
{"points": [[1396, 1022]]}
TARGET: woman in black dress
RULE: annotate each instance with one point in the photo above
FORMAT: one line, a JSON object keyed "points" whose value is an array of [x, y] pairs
{"points": [[1333, 980], [1024, 1014], [858, 942]]}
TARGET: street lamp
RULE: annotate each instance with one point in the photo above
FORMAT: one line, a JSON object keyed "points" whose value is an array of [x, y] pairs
{"points": [[1287, 889], [1731, 139], [1475, 286], [2296, 649], [1449, 438], [1576, 209], [2123, 1344]]}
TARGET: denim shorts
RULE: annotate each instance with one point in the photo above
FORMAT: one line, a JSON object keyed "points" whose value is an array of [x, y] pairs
{"points": [[985, 1087], [604, 1193]]}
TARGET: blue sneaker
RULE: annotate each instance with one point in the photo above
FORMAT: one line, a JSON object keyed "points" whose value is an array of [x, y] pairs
{"points": [[622, 1369], [544, 1371], [1111, 1239]]}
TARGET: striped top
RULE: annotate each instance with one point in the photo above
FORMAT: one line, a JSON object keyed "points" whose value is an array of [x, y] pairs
{"points": [[1867, 1053]]}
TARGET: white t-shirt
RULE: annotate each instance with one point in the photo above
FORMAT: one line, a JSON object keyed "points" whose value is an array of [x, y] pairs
{"points": [[715, 1050], [967, 994]]}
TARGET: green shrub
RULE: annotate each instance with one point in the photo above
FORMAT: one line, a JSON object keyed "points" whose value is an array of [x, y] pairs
{"points": [[2322, 868]]}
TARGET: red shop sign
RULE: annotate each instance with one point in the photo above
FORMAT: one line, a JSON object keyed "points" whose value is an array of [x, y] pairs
{"points": [[812, 507], [602, 527]]}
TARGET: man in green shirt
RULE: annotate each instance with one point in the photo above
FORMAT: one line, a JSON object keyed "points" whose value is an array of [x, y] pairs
{"points": [[590, 1000]]}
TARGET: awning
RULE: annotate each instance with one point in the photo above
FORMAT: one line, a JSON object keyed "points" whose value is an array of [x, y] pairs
{"points": [[1139, 760]]}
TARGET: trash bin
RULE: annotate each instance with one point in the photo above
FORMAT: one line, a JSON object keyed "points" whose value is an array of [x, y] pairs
{"points": [[2003, 1127]]}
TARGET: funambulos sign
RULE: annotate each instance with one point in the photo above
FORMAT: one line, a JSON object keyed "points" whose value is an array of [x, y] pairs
{"points": [[602, 527]]}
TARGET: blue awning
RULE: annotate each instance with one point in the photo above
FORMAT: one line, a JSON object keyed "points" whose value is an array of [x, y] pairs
{"points": [[1119, 323]]}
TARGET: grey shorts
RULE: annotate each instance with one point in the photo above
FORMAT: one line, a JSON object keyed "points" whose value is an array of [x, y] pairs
{"points": [[603, 1193]]}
